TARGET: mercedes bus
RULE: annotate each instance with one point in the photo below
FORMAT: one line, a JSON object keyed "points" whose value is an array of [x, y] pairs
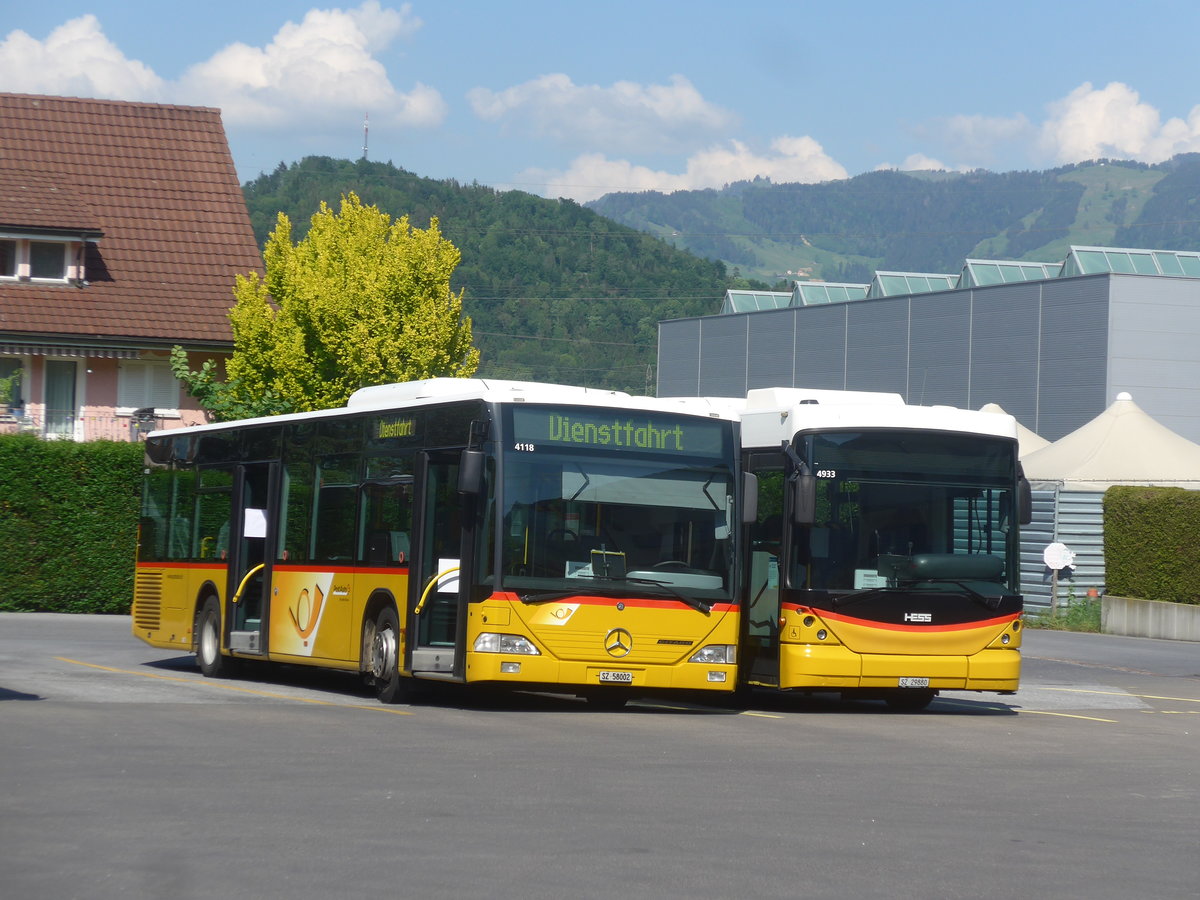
{"points": [[453, 530]]}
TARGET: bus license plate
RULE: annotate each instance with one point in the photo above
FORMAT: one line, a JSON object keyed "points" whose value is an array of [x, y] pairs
{"points": [[617, 677], [914, 682]]}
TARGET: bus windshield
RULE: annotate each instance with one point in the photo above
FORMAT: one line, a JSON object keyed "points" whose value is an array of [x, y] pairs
{"points": [[587, 506], [897, 508]]}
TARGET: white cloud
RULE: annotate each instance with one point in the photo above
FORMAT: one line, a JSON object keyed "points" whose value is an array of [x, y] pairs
{"points": [[76, 59], [314, 72], [794, 159], [979, 139], [975, 141], [1113, 122], [311, 74], [624, 116], [919, 162]]}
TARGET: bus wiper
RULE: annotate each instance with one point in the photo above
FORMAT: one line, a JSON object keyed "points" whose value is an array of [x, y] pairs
{"points": [[553, 596], [612, 583], [695, 603], [855, 597], [532, 600], [992, 603]]}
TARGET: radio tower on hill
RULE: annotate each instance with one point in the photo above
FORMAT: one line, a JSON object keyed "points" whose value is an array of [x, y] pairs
{"points": [[366, 129]]}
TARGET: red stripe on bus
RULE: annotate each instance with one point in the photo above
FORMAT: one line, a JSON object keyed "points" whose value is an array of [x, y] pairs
{"points": [[825, 615], [587, 600], [283, 567]]}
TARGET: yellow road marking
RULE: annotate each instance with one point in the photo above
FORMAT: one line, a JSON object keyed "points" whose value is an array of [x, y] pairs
{"points": [[1020, 711], [760, 715], [233, 687], [1122, 694], [1043, 712]]}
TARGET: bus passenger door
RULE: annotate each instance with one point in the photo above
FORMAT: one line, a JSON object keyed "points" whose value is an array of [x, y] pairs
{"points": [[251, 550], [761, 611], [437, 595]]}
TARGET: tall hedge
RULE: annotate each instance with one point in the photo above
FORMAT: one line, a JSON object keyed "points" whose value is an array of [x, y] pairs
{"points": [[1152, 543], [68, 524]]}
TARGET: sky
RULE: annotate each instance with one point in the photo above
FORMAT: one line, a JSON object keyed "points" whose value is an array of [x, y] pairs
{"points": [[573, 99]]}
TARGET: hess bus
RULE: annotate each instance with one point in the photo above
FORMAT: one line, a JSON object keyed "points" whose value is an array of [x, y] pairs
{"points": [[884, 558], [453, 530]]}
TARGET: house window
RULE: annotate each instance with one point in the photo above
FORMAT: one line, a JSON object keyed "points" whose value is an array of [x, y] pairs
{"points": [[42, 260], [147, 383], [10, 384], [47, 259]]}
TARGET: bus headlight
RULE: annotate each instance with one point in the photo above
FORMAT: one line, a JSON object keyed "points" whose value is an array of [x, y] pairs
{"points": [[491, 642], [725, 654]]}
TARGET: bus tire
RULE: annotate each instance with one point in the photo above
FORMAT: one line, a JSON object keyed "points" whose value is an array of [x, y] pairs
{"points": [[208, 641], [390, 685]]}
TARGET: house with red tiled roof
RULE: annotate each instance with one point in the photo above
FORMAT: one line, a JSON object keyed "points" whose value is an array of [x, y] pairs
{"points": [[122, 228]]}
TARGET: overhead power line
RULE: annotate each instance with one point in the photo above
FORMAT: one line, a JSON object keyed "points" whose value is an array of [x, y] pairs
{"points": [[538, 337]]}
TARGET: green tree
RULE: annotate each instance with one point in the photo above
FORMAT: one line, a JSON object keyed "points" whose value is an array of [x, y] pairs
{"points": [[360, 300]]}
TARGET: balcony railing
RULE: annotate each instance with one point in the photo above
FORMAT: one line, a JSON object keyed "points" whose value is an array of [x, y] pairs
{"points": [[53, 425]]}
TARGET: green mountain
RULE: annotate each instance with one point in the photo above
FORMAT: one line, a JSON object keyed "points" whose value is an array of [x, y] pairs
{"points": [[555, 291], [922, 222], [570, 293]]}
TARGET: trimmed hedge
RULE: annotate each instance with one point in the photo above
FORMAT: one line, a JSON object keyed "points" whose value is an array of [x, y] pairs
{"points": [[68, 524], [1152, 543]]}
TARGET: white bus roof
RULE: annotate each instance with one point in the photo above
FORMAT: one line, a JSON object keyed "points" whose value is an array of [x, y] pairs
{"points": [[414, 394], [772, 415]]}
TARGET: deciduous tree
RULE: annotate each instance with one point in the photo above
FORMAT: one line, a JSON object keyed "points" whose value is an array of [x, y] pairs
{"points": [[363, 299]]}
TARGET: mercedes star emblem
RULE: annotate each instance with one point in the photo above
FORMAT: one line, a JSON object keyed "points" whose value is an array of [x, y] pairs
{"points": [[618, 642]]}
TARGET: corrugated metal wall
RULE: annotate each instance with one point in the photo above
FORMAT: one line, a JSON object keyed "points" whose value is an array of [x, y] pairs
{"points": [[1038, 349], [1074, 518]]}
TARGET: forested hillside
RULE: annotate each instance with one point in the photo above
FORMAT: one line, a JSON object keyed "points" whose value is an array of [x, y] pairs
{"points": [[556, 292], [561, 292], [923, 222]]}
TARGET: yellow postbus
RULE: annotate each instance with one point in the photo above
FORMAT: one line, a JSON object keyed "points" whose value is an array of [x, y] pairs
{"points": [[884, 562], [456, 530]]}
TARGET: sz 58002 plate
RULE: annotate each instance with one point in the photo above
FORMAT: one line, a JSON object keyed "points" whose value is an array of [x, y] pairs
{"points": [[616, 677]]}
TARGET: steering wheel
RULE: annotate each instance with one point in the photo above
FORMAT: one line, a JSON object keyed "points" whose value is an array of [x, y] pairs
{"points": [[671, 564], [567, 534]]}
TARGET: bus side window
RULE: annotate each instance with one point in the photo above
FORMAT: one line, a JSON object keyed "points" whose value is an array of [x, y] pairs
{"points": [[334, 512], [386, 524]]}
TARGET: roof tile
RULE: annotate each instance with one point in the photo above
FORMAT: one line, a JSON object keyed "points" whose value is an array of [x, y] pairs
{"points": [[159, 183]]}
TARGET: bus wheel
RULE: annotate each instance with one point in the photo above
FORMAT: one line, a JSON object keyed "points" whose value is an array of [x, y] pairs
{"points": [[208, 641], [909, 700], [390, 685]]}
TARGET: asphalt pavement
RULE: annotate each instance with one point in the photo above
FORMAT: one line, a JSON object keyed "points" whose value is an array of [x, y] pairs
{"points": [[127, 774]]}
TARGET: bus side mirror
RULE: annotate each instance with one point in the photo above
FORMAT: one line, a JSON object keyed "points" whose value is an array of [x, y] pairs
{"points": [[1024, 500], [749, 498], [470, 472], [804, 499]]}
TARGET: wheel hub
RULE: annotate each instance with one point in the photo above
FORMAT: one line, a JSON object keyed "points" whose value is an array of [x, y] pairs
{"points": [[383, 653]]}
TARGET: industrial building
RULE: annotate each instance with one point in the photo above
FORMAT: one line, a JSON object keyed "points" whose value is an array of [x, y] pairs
{"points": [[1051, 343]]}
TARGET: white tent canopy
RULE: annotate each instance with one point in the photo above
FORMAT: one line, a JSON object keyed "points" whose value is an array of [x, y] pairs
{"points": [[1027, 441], [1122, 445]]}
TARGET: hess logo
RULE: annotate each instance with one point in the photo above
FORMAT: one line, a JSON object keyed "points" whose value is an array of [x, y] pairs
{"points": [[918, 617]]}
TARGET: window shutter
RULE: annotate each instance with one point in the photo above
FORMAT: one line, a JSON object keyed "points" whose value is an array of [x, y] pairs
{"points": [[147, 384]]}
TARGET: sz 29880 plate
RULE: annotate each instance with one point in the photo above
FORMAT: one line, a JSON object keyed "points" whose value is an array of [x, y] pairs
{"points": [[914, 682]]}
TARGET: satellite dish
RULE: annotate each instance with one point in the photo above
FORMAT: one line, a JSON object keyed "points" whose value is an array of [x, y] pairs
{"points": [[1058, 556]]}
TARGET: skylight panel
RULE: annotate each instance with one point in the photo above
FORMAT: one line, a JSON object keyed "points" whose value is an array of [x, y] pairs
{"points": [[1119, 261], [1143, 263], [1190, 264], [1169, 264]]}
